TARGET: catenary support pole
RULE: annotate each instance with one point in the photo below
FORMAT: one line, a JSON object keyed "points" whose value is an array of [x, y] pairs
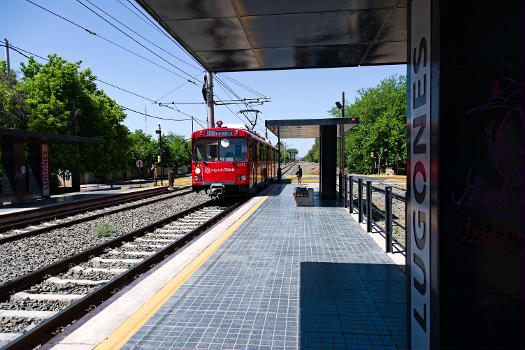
{"points": [[209, 99], [7, 55]]}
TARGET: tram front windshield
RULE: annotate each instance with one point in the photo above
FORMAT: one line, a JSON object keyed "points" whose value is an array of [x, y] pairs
{"points": [[225, 149], [206, 150], [233, 150]]}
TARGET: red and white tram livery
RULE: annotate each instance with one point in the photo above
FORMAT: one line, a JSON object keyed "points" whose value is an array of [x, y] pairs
{"points": [[229, 159]]}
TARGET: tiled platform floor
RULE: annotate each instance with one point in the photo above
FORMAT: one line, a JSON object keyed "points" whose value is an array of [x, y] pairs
{"points": [[289, 278]]}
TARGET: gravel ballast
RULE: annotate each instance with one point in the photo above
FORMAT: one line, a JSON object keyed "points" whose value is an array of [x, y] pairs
{"points": [[28, 254]]}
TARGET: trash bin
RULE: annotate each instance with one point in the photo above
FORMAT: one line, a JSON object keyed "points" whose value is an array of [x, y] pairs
{"points": [[304, 197]]}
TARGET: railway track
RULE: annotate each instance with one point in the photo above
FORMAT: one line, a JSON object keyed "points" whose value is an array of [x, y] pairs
{"points": [[288, 168], [34, 226], [27, 215], [35, 306]]}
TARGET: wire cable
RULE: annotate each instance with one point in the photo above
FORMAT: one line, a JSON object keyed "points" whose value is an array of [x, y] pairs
{"points": [[138, 42], [144, 38], [243, 85], [171, 91], [133, 12], [15, 49], [11, 46], [156, 25], [109, 41], [149, 115]]}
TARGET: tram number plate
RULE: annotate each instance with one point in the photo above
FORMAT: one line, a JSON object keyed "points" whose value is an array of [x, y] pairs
{"points": [[218, 133]]}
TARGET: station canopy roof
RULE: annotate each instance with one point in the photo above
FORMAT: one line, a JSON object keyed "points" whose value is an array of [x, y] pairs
{"points": [[243, 35], [307, 128]]}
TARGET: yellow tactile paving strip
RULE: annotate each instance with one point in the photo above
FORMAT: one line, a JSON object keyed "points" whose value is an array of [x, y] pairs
{"points": [[126, 330]]}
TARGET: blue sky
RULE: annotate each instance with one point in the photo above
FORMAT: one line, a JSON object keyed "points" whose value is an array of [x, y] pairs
{"points": [[304, 93]]}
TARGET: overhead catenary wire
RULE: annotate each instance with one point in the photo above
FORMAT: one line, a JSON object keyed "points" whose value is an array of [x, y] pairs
{"points": [[226, 88], [246, 87], [193, 79], [144, 38], [198, 121], [156, 25], [151, 116], [110, 41], [15, 49], [136, 14], [18, 49], [171, 91], [228, 107]]}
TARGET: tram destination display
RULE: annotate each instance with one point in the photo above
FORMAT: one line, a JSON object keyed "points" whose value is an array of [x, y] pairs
{"points": [[218, 133]]}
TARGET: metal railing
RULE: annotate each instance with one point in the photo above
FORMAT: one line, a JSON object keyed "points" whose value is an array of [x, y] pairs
{"points": [[365, 210]]}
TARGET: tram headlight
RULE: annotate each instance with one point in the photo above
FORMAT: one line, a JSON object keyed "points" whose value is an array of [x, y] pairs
{"points": [[196, 178], [243, 177]]}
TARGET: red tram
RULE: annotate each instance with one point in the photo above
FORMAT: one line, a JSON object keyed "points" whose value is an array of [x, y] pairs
{"points": [[231, 159]]}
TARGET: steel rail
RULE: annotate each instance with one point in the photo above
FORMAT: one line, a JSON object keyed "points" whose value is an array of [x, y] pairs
{"points": [[48, 328], [43, 213], [40, 230]]}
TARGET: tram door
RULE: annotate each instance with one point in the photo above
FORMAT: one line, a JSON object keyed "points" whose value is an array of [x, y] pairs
{"points": [[253, 163]]}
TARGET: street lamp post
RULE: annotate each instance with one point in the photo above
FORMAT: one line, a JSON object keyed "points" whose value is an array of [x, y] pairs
{"points": [[341, 148], [159, 131], [76, 178]]}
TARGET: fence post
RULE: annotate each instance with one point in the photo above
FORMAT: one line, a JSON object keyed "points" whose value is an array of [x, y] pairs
{"points": [[346, 191], [369, 206], [340, 187], [351, 185], [388, 218], [360, 199]]}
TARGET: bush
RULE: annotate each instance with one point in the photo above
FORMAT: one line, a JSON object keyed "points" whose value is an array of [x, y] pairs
{"points": [[103, 229]]}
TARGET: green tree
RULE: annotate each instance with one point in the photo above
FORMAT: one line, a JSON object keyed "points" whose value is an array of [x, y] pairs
{"points": [[313, 153], [292, 152], [142, 147], [177, 151], [12, 101], [382, 126], [53, 92]]}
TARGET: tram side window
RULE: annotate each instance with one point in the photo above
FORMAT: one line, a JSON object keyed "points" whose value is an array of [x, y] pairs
{"points": [[261, 153], [205, 150], [233, 150], [252, 151]]}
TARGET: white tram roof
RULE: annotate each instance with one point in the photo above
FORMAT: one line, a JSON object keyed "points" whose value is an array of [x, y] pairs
{"points": [[236, 126]]}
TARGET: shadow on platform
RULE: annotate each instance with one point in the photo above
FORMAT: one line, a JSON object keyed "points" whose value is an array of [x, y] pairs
{"points": [[352, 306]]}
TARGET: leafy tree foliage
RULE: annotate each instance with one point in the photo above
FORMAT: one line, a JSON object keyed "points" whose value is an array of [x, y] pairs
{"points": [[46, 98], [12, 101], [53, 92], [176, 151], [313, 153], [382, 126], [142, 147], [287, 154], [381, 130]]}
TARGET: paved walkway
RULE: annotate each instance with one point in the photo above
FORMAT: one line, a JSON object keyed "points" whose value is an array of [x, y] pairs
{"points": [[288, 278]]}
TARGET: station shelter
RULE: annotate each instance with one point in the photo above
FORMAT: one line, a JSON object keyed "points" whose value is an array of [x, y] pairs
{"points": [[327, 130], [465, 126], [25, 178]]}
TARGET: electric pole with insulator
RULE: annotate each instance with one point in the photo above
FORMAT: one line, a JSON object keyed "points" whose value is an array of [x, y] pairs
{"points": [[159, 160]]}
